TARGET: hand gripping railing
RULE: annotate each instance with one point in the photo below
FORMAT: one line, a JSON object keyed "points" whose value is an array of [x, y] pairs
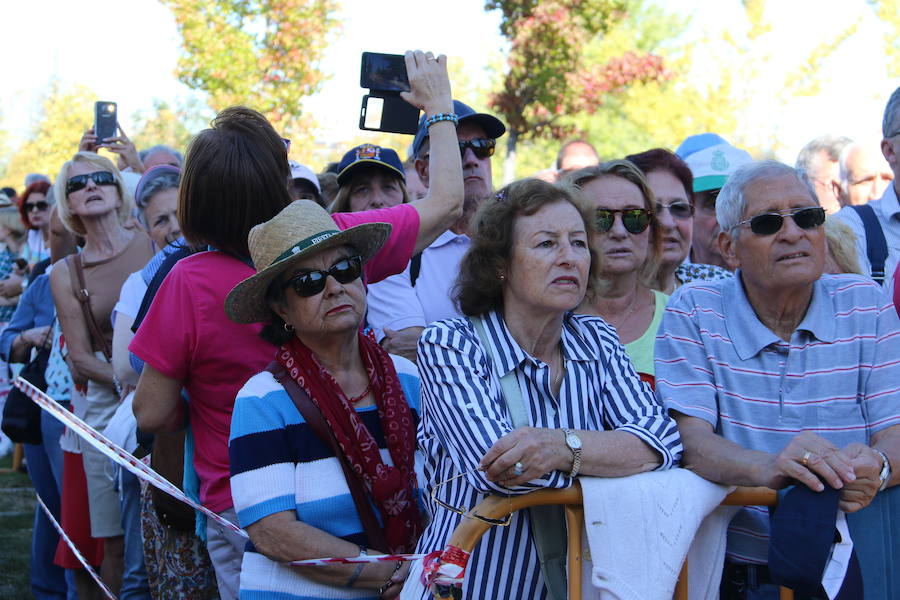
{"points": [[469, 531]]}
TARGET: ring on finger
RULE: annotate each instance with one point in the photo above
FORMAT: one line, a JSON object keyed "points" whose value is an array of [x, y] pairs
{"points": [[805, 460], [518, 469]]}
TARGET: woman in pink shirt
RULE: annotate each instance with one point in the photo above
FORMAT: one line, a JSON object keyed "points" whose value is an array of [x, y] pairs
{"points": [[235, 177]]}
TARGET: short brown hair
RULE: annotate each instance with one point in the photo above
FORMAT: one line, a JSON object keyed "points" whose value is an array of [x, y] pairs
{"points": [[479, 290], [235, 177], [629, 172]]}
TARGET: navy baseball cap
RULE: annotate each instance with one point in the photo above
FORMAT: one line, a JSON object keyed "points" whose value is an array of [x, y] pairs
{"points": [[803, 531], [369, 154], [493, 127]]}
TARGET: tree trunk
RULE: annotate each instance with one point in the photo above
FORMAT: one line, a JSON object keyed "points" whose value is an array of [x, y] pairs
{"points": [[509, 164]]}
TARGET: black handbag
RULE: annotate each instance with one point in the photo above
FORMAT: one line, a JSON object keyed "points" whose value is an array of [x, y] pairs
{"points": [[21, 415]]}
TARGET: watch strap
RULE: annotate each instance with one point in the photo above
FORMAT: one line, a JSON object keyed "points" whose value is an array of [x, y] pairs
{"points": [[885, 475], [576, 453]]}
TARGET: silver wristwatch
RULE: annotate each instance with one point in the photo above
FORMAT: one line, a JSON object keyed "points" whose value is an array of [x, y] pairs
{"points": [[574, 444], [885, 475]]}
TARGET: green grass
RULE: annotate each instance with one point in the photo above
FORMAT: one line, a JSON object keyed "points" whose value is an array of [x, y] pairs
{"points": [[16, 518]]}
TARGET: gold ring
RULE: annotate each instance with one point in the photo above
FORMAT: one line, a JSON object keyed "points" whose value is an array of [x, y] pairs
{"points": [[805, 460]]}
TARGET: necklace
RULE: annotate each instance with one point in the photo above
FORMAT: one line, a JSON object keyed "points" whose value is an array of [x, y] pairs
{"points": [[365, 393]]}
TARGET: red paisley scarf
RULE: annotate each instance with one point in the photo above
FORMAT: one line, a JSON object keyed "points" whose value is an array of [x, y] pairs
{"points": [[391, 487]]}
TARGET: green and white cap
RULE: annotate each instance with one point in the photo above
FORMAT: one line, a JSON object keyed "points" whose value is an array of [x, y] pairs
{"points": [[711, 159]]}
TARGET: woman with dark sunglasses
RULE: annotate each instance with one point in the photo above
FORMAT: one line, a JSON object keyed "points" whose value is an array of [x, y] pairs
{"points": [[628, 240], [671, 181], [34, 207], [288, 480], [93, 203]]}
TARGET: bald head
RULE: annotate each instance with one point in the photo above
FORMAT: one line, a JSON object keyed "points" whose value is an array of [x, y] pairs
{"points": [[575, 155], [864, 174]]}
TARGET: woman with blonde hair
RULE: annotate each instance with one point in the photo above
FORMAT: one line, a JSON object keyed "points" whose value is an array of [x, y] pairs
{"points": [[93, 202], [628, 240]]}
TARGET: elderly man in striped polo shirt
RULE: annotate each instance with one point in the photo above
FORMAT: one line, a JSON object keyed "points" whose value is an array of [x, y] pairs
{"points": [[782, 375]]}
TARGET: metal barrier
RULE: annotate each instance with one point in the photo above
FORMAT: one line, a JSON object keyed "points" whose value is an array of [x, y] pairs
{"points": [[468, 533]]}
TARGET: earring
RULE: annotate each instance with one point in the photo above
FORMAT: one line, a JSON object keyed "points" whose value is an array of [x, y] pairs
{"points": [[502, 277], [289, 328]]}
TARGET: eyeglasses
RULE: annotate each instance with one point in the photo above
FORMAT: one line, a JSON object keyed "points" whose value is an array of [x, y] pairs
{"points": [[466, 513], [705, 202], [36, 206], [771, 223], [482, 147], [635, 220], [678, 210], [78, 182], [313, 282]]}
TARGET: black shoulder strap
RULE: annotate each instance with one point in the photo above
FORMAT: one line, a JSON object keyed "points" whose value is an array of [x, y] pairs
{"points": [[415, 265], [876, 244]]}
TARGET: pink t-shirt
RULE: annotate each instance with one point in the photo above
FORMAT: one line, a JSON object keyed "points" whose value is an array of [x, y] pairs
{"points": [[186, 335]]}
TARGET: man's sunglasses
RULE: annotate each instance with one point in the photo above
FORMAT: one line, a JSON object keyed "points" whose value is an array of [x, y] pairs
{"points": [[78, 182], [678, 210], [39, 206], [771, 223], [635, 220], [313, 282], [481, 147]]}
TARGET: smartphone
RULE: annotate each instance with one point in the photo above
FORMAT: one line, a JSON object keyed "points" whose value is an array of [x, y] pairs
{"points": [[384, 72], [105, 120], [388, 112]]}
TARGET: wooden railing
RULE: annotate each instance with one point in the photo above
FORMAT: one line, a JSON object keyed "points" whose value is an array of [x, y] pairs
{"points": [[468, 533]]}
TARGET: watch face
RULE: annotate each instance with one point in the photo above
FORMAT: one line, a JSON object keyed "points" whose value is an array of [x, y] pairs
{"points": [[573, 441]]}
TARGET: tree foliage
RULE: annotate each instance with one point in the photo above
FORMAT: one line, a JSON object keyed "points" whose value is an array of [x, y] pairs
{"points": [[727, 83], [888, 11], [170, 125], [547, 76], [260, 53], [66, 112]]}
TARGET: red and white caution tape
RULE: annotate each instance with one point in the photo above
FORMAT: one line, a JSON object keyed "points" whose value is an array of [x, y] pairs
{"points": [[362, 559], [75, 550], [114, 452], [446, 567]]}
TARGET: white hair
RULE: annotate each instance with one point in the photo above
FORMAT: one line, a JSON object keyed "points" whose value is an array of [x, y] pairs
{"points": [[731, 203]]}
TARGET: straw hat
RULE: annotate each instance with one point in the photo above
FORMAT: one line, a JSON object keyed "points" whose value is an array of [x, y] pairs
{"points": [[301, 229]]}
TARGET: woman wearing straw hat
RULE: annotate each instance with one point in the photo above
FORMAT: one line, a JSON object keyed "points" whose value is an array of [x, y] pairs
{"points": [[286, 474]]}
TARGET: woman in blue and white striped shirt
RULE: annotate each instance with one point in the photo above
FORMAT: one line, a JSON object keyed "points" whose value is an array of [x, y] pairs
{"points": [[585, 409]]}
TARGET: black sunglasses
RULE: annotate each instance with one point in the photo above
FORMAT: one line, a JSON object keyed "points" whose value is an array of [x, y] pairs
{"points": [[482, 147], [635, 220], [313, 282], [78, 182], [678, 210], [771, 223], [36, 206]]}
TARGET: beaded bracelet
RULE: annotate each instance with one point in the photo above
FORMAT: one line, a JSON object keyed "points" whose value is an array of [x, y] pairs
{"points": [[359, 567], [440, 117]]}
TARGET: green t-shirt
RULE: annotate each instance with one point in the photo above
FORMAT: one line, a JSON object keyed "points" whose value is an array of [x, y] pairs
{"points": [[640, 351]]}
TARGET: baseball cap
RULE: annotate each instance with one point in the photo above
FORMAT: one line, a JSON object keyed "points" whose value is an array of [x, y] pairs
{"points": [[810, 545], [299, 171], [493, 127], [711, 159], [369, 154]]}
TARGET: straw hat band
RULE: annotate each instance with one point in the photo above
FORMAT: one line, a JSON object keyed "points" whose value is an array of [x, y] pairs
{"points": [[304, 244]]}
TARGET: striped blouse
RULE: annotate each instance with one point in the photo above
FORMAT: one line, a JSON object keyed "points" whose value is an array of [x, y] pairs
{"points": [[463, 414], [838, 376]]}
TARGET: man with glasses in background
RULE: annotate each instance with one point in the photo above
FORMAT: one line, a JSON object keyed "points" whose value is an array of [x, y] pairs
{"points": [[711, 160], [781, 375], [400, 307], [877, 223]]}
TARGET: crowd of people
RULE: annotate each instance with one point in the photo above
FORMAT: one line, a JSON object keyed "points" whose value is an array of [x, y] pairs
{"points": [[346, 363]]}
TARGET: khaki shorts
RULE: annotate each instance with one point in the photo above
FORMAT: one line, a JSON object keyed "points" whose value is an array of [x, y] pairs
{"points": [[103, 499]]}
